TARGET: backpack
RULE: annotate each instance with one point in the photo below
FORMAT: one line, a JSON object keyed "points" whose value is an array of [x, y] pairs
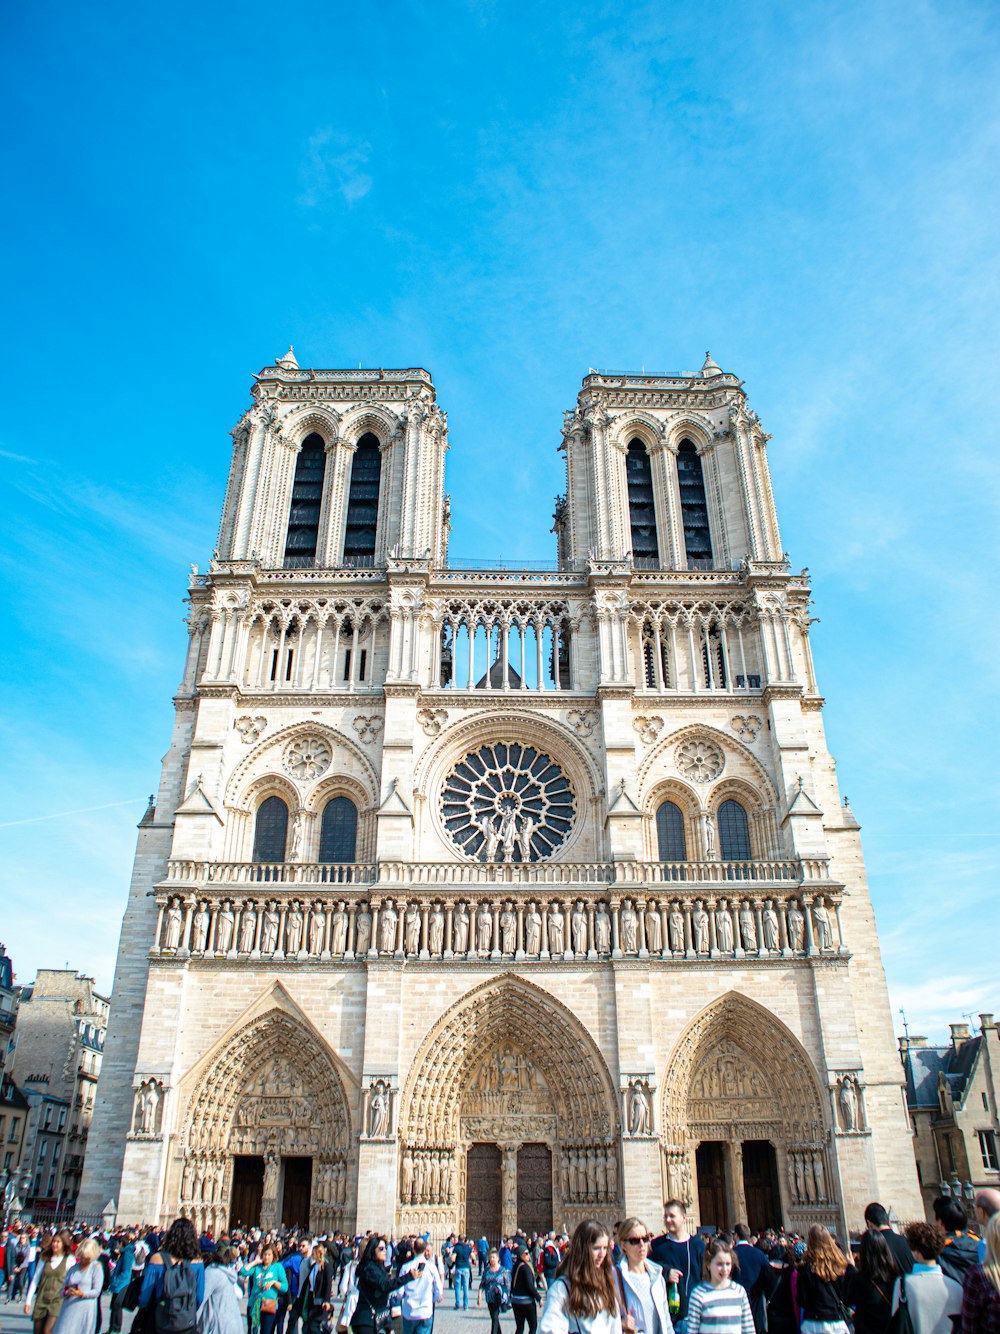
{"points": [[177, 1308]]}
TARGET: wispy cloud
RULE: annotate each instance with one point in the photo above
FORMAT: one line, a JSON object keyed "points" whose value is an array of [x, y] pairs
{"points": [[333, 165]]}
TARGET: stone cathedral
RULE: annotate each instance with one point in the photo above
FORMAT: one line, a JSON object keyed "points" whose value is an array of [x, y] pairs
{"points": [[474, 897]]}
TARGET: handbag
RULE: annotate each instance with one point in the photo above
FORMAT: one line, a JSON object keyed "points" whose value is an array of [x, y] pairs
{"points": [[901, 1321], [268, 1305]]}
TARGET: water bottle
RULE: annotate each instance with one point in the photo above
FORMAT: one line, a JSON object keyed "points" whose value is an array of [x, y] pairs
{"points": [[673, 1300]]}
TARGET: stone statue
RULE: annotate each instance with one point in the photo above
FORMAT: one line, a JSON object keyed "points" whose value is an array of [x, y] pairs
{"points": [[378, 1111], [484, 929], [413, 929], [638, 1109], [298, 832], [654, 932], [461, 929], [699, 924], [629, 923], [149, 1105], [532, 930], [612, 1176], [269, 928], [848, 1103], [406, 1178], [387, 920], [508, 929], [227, 926], [578, 929], [172, 926], [436, 931], [491, 839], [820, 1177], [748, 927], [524, 838], [555, 920], [199, 928], [508, 834], [602, 930], [769, 922], [363, 931], [821, 921], [723, 929], [675, 924], [248, 927], [293, 929], [317, 929], [796, 928], [338, 933]]}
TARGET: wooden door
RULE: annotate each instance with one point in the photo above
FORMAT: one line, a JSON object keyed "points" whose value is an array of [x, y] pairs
{"points": [[710, 1164], [760, 1184], [534, 1188], [296, 1192], [248, 1190], [483, 1204]]}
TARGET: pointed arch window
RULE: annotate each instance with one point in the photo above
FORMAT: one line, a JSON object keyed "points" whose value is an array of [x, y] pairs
{"points": [[642, 510], [307, 500], [734, 832], [362, 502], [670, 838], [270, 835], [338, 835], [694, 508]]}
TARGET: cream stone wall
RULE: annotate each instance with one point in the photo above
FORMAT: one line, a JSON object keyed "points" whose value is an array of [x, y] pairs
{"points": [[664, 1022]]}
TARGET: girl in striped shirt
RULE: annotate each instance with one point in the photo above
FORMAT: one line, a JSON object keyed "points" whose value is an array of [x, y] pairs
{"points": [[718, 1305]]}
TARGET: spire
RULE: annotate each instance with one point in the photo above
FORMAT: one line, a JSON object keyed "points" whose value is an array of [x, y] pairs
{"points": [[710, 368], [287, 362]]}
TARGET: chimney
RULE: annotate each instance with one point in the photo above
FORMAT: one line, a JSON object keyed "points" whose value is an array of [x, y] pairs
{"points": [[986, 1021], [959, 1034]]}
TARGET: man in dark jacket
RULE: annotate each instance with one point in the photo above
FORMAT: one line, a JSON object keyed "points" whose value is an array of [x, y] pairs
{"points": [[877, 1220], [961, 1247], [753, 1272]]}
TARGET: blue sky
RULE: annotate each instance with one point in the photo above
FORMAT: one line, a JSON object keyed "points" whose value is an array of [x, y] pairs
{"points": [[507, 195]]}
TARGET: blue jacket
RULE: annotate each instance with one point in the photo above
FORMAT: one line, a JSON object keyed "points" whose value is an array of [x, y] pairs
{"points": [[122, 1276], [152, 1282], [292, 1264]]}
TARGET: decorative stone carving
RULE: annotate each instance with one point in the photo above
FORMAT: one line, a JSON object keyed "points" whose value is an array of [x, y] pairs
{"points": [[648, 727], [379, 1109], [432, 720], [578, 929], [363, 931], [317, 929], [435, 932], [147, 1114], [699, 759], [507, 803], [387, 919], [249, 728], [173, 921], [461, 930], [796, 928], [508, 929], [307, 757], [367, 727], [293, 929], [654, 931], [821, 926], [532, 931], [199, 928], [556, 930], [850, 1104], [602, 930], [748, 928], [484, 929], [411, 930], [746, 726], [639, 1107], [769, 920], [248, 929], [269, 928], [723, 929], [226, 928], [338, 931], [699, 929], [629, 922], [675, 926], [582, 721]]}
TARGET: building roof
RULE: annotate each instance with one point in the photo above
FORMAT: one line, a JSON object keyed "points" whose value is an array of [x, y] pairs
{"points": [[923, 1065]]}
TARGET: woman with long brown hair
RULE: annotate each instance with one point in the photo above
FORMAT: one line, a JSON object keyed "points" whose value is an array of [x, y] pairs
{"points": [[584, 1293], [822, 1286], [47, 1282]]}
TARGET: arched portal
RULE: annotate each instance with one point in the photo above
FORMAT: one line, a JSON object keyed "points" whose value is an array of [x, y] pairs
{"points": [[508, 1117], [745, 1135], [267, 1134]]}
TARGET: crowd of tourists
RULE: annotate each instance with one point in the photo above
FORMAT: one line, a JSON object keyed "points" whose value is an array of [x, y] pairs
{"points": [[933, 1278]]}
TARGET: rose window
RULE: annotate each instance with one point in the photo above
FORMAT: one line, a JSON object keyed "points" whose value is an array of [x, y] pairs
{"points": [[308, 757], [507, 803], [700, 760]]}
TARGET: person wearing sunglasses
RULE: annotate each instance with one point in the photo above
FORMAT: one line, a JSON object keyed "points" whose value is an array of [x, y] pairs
{"points": [[641, 1282], [375, 1285]]}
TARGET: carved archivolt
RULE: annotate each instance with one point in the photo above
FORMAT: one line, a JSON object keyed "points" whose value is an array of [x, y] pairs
{"points": [[261, 758], [738, 760]]}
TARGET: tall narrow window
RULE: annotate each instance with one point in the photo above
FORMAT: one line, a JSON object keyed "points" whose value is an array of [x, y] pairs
{"points": [[270, 833], [694, 508], [362, 502], [307, 498], [734, 832], [670, 838], [338, 835], [642, 511]]}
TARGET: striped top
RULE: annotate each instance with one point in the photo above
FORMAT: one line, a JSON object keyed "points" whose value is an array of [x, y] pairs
{"points": [[719, 1310]]}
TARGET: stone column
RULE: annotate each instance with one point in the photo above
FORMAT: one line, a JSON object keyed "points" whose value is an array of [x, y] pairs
{"points": [[508, 1187]]}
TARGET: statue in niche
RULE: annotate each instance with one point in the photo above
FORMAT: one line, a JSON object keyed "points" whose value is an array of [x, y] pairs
{"points": [[147, 1107], [418, 1177], [435, 1179], [298, 833], [172, 926], [723, 929], [338, 930], [412, 929], [508, 835], [317, 929], [556, 925], [612, 1176], [484, 929], [269, 928], [638, 1109], [699, 924], [821, 921], [436, 932], [769, 921], [248, 928], [508, 929], [227, 927], [820, 1177], [578, 928], [748, 927], [524, 838], [629, 922], [602, 930], [532, 930], [387, 920], [378, 1111], [675, 925], [654, 936], [491, 839], [461, 929], [363, 931], [796, 927], [847, 1103], [199, 928]]}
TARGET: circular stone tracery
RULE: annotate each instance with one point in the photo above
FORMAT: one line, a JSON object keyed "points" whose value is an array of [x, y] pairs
{"points": [[308, 757], [507, 803], [700, 760]]}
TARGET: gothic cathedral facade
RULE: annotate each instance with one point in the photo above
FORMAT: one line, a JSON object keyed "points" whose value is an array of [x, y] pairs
{"points": [[481, 897]]}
